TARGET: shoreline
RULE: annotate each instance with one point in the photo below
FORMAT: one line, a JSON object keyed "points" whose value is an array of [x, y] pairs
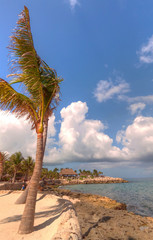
{"points": [[99, 217], [104, 218]]}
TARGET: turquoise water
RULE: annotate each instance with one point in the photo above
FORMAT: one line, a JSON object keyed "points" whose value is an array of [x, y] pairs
{"points": [[137, 194]]}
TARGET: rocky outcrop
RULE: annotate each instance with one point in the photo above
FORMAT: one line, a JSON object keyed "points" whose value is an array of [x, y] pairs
{"points": [[95, 200], [98, 180]]}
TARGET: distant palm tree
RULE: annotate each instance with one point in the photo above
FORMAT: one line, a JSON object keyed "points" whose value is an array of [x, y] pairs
{"points": [[1, 166], [3, 158], [55, 170], [15, 160], [27, 166], [95, 173], [39, 97]]}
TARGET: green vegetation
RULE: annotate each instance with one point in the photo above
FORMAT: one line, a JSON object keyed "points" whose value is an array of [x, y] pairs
{"points": [[49, 173], [87, 173], [16, 166]]}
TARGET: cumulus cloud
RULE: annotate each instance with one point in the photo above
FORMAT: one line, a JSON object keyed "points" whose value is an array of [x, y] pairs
{"points": [[81, 139], [84, 140], [16, 134], [137, 139], [146, 52], [106, 90], [137, 107]]}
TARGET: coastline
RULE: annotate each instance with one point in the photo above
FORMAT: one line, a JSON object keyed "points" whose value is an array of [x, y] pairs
{"points": [[99, 217], [104, 218]]}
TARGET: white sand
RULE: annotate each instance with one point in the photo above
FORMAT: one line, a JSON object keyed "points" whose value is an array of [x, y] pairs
{"points": [[50, 214]]}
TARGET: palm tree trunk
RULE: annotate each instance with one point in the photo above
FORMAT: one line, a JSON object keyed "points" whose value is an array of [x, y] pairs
{"points": [[23, 196], [1, 166], [15, 171], [27, 221]]}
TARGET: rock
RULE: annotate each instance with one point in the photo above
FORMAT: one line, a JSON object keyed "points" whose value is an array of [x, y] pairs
{"points": [[68, 227]]}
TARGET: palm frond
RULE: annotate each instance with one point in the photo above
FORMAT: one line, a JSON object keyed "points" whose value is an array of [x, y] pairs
{"points": [[24, 58], [41, 82], [17, 103], [50, 82]]}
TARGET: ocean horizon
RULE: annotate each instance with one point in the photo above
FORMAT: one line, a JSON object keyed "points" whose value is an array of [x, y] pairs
{"points": [[137, 194]]}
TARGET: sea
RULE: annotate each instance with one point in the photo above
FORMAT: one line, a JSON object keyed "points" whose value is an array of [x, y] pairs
{"points": [[137, 194]]}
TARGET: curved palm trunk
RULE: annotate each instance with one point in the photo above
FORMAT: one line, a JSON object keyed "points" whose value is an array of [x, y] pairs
{"points": [[27, 221], [23, 196], [1, 166], [14, 176]]}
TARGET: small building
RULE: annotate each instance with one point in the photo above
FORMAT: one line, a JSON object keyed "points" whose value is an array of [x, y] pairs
{"points": [[67, 172]]}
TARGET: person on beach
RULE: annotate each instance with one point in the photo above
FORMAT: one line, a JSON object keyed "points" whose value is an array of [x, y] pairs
{"points": [[23, 186]]}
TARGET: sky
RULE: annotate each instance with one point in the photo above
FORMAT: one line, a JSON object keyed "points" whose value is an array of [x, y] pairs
{"points": [[103, 49]]}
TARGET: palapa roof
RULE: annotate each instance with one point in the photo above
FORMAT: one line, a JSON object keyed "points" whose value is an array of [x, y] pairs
{"points": [[67, 171]]}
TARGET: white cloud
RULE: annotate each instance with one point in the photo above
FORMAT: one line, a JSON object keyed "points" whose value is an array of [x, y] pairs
{"points": [[137, 104], [107, 89], [137, 107], [16, 134], [73, 3], [146, 52], [145, 99], [81, 139], [137, 139]]}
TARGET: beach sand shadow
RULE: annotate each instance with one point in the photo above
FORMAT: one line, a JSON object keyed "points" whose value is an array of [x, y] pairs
{"points": [[53, 213], [63, 206], [6, 193], [41, 197]]}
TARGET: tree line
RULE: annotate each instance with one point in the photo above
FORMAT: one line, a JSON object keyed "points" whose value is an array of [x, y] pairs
{"points": [[16, 167], [16, 164]]}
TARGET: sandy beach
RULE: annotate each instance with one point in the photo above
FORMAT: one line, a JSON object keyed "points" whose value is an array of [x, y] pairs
{"points": [[100, 218], [54, 218]]}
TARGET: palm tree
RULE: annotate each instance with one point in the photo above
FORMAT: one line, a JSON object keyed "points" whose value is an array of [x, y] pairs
{"points": [[95, 173], [3, 158], [1, 166], [7, 169], [39, 97], [27, 166], [15, 160]]}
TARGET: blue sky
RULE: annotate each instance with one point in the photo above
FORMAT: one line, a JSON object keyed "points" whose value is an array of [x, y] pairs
{"points": [[104, 51]]}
